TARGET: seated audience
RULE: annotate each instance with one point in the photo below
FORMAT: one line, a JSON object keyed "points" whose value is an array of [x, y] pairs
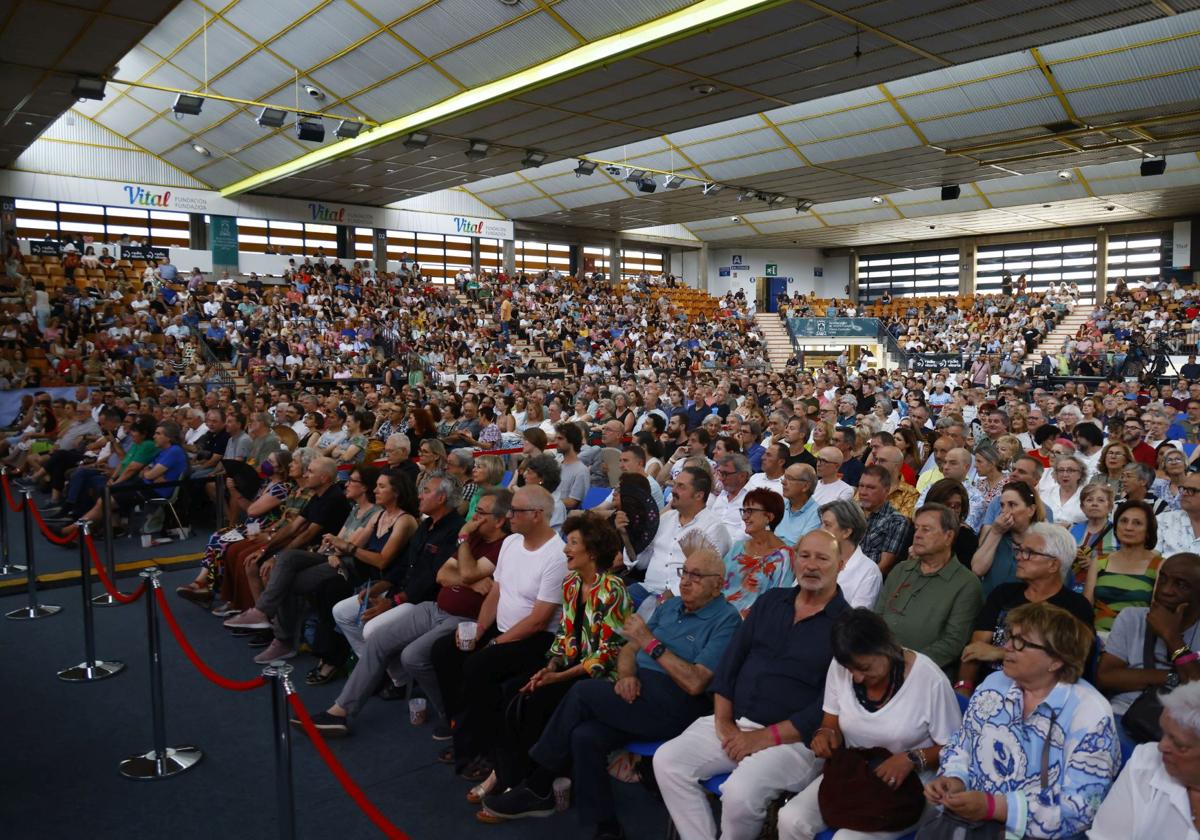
{"points": [[1125, 578], [860, 578], [761, 561]]}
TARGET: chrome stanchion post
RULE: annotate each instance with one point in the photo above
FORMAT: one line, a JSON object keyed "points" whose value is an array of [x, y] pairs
{"points": [[91, 669], [33, 609], [279, 673], [162, 761], [110, 564], [6, 568]]}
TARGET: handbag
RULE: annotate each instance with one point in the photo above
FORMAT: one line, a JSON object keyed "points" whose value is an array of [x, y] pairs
{"points": [[1140, 720], [946, 825], [851, 796]]}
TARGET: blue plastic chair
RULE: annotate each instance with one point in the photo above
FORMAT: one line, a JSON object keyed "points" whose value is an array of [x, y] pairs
{"points": [[962, 702], [594, 497], [507, 478], [713, 783], [644, 748]]}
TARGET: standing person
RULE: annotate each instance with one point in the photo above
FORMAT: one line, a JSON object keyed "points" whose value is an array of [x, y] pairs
{"points": [[768, 692], [517, 622]]}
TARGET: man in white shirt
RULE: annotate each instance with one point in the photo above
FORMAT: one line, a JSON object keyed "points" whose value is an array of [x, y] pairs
{"points": [[774, 460], [734, 472], [829, 486], [1179, 530], [688, 513]]}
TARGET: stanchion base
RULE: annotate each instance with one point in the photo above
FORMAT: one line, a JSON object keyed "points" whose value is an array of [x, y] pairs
{"points": [[147, 766], [27, 613], [85, 673], [12, 569], [106, 600]]}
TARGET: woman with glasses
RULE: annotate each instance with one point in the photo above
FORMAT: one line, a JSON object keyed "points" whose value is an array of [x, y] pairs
{"points": [[1172, 469], [1043, 556], [1063, 499], [487, 472], [1095, 535], [995, 560], [431, 458], [1113, 460], [878, 695], [1038, 748], [1125, 578], [762, 561]]}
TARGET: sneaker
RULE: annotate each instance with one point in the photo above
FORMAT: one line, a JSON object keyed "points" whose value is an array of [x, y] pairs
{"points": [[443, 732], [331, 726], [275, 650], [253, 618], [225, 609], [246, 631], [518, 802]]}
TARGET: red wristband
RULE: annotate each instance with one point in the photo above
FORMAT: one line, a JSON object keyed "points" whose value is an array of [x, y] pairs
{"points": [[991, 811], [1186, 659], [774, 727], [650, 646]]}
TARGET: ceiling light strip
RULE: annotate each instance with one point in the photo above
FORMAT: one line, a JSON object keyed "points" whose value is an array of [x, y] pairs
{"points": [[702, 15]]}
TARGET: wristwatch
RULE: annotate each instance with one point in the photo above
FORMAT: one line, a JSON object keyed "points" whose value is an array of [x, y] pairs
{"points": [[1172, 682], [655, 649]]}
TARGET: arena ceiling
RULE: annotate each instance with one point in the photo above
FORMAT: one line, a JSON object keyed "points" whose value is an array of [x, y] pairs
{"points": [[833, 102]]}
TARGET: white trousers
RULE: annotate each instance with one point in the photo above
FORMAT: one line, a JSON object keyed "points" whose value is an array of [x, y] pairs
{"points": [[753, 784], [800, 819]]}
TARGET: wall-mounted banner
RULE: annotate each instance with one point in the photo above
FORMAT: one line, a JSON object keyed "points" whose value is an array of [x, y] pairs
{"points": [[181, 200], [145, 252], [834, 327], [223, 238], [952, 362], [44, 248]]}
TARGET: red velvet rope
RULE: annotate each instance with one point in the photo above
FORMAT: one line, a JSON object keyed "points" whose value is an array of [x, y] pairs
{"points": [[339, 772], [45, 529], [104, 578], [16, 508], [209, 673]]}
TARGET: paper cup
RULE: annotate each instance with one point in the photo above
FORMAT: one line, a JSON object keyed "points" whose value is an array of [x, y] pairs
{"points": [[466, 635], [562, 794], [417, 709]]}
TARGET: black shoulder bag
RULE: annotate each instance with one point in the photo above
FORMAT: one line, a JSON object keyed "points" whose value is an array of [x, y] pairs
{"points": [[1141, 718]]}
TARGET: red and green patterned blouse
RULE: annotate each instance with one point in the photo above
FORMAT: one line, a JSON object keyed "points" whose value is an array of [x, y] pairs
{"points": [[606, 605]]}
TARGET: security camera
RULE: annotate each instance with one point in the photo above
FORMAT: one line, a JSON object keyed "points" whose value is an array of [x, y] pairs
{"points": [[1110, 207], [735, 219], [1064, 175], [314, 92], [615, 171]]}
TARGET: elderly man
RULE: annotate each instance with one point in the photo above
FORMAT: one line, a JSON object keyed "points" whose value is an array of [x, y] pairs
{"points": [[830, 486], [663, 677], [902, 496], [956, 465], [800, 510], [929, 600], [1179, 530], [397, 449], [888, 531], [933, 474], [733, 471], [263, 441], [612, 435], [688, 513], [516, 624], [288, 567], [767, 697]]}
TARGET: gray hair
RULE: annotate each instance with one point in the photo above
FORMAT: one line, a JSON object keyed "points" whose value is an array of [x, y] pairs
{"points": [[400, 441], [849, 516], [1072, 410], [1145, 471], [503, 499], [1079, 462], [1059, 543], [463, 456], [1183, 704], [738, 461], [442, 484], [885, 403]]}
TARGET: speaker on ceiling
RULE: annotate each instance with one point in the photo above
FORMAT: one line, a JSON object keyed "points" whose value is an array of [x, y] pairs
{"points": [[1154, 167], [951, 192]]}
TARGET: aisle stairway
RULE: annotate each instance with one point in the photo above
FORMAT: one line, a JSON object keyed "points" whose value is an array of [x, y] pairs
{"points": [[775, 334], [1065, 329]]}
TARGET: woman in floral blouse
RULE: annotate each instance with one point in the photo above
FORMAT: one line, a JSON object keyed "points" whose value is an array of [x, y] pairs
{"points": [[595, 607], [762, 561]]}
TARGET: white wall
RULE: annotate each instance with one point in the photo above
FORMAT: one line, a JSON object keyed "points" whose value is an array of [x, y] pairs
{"points": [[797, 263], [836, 279]]}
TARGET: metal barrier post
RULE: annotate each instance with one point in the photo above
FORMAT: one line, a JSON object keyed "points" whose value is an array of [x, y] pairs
{"points": [[281, 685], [110, 563], [91, 669], [162, 761], [6, 568], [33, 609], [219, 493]]}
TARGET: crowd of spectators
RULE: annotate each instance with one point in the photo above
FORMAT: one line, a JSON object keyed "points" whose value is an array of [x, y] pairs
{"points": [[768, 573]]}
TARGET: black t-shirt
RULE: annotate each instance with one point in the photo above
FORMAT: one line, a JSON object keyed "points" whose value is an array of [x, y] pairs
{"points": [[805, 457], [1008, 596], [329, 510], [213, 443], [430, 547]]}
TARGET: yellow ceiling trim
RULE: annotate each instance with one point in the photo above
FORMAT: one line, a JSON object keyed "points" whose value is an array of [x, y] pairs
{"points": [[887, 94], [878, 33], [545, 194], [388, 28], [822, 167], [785, 139], [1083, 182], [702, 15], [987, 202], [1166, 39], [545, 7], [1147, 78], [692, 165], [1048, 75], [499, 215]]}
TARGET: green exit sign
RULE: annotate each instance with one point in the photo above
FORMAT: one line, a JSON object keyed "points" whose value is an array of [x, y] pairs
{"points": [[772, 270]]}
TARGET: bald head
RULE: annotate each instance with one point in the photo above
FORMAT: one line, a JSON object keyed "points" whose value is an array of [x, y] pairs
{"points": [[533, 496], [832, 454], [891, 458], [957, 464]]}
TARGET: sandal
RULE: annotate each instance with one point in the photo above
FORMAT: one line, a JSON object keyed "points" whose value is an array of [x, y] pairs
{"points": [[475, 795], [318, 676]]}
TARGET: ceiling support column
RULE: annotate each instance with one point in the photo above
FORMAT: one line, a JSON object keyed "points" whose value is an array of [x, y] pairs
{"points": [[966, 267], [1101, 264], [614, 261], [510, 257], [702, 267]]}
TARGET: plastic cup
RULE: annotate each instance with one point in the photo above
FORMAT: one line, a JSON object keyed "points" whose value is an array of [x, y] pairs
{"points": [[466, 635], [253, 528], [417, 710], [562, 794]]}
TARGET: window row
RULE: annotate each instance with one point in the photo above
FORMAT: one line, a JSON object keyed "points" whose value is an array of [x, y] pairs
{"points": [[93, 223]]}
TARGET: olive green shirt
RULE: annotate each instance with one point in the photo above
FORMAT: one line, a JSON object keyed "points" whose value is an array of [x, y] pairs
{"points": [[932, 614]]}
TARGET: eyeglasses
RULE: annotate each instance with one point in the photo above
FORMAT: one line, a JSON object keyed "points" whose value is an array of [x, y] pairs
{"points": [[748, 511], [511, 511], [1189, 491], [1023, 553], [353, 480], [1019, 642], [695, 577]]}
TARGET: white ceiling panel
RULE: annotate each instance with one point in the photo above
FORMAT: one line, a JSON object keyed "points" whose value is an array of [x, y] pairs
{"points": [[1043, 195], [592, 196], [997, 120], [160, 135], [1177, 89], [1115, 39], [801, 221], [1015, 87], [126, 111], [237, 131], [224, 171], [567, 182], [528, 208], [416, 89], [858, 217], [262, 19], [768, 162], [332, 29], [260, 73], [176, 27], [389, 11], [170, 76], [514, 48], [207, 55], [862, 145], [186, 158], [378, 58], [448, 23], [825, 105], [746, 143], [511, 195], [595, 20], [932, 207], [703, 133], [137, 62], [270, 151], [831, 126]]}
